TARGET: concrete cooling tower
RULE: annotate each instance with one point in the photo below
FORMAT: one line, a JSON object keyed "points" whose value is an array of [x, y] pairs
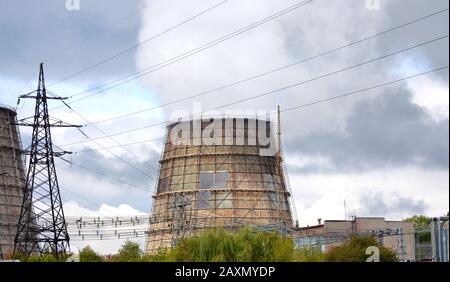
{"points": [[223, 172], [12, 178]]}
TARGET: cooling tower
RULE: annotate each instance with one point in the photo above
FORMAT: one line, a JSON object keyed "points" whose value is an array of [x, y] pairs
{"points": [[12, 178], [222, 172]]}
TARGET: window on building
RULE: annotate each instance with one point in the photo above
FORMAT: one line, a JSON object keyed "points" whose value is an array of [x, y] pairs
{"points": [[163, 185], [213, 180], [273, 200], [224, 200], [269, 181], [203, 199], [221, 180], [206, 180]]}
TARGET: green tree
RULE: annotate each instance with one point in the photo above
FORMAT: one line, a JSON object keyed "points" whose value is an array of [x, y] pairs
{"points": [[354, 250], [129, 252], [421, 221], [87, 254], [44, 257], [246, 245]]}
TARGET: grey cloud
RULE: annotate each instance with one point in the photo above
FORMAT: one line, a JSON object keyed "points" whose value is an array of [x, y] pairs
{"points": [[37, 30], [119, 169], [375, 204], [114, 168], [435, 55], [385, 132]]}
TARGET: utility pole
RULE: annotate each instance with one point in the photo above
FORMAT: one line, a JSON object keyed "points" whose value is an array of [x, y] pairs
{"points": [[42, 227]]}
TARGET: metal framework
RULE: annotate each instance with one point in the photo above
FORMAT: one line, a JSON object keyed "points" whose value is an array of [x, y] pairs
{"points": [[42, 227], [229, 184], [180, 219]]}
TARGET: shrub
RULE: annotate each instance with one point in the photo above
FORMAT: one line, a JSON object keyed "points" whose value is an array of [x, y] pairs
{"points": [[308, 254], [87, 254], [246, 245], [355, 251], [129, 252]]}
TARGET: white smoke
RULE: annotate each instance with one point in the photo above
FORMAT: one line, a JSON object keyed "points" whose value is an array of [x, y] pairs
{"points": [[304, 32]]}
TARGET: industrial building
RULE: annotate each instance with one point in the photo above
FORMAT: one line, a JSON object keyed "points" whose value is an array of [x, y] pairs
{"points": [[219, 172], [396, 235], [12, 178]]}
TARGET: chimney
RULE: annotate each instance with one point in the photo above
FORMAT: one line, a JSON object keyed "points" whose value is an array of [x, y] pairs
{"points": [[319, 221]]}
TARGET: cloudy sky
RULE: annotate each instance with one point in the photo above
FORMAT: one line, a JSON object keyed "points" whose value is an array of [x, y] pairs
{"points": [[384, 151]]}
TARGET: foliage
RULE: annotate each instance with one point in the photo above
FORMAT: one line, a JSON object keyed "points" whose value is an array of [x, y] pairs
{"points": [[128, 252], [309, 254], [355, 251], [160, 256], [87, 254], [421, 221], [38, 258], [244, 246]]}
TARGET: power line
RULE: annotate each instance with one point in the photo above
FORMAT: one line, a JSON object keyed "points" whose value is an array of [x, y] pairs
{"points": [[275, 69], [103, 132], [139, 44], [331, 73], [327, 99], [87, 200], [363, 89], [94, 35], [185, 55], [83, 41], [117, 156], [127, 144], [278, 89], [104, 175]]}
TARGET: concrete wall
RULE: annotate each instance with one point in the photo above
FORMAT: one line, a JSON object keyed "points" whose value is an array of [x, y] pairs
{"points": [[12, 179], [230, 182]]}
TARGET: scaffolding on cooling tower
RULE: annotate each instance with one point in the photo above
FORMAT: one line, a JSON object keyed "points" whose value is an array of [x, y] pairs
{"points": [[12, 178], [226, 185]]}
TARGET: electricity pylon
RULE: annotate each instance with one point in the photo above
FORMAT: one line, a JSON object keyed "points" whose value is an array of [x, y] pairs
{"points": [[42, 227], [180, 218]]}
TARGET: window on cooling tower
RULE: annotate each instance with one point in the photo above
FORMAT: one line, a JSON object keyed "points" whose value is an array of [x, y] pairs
{"points": [[269, 181], [214, 180], [203, 198], [163, 185]]}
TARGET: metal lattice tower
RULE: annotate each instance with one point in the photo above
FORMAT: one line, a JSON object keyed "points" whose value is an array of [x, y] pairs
{"points": [[180, 217], [42, 227]]}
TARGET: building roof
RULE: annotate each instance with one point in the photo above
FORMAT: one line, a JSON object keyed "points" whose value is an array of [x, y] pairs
{"points": [[308, 227]]}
